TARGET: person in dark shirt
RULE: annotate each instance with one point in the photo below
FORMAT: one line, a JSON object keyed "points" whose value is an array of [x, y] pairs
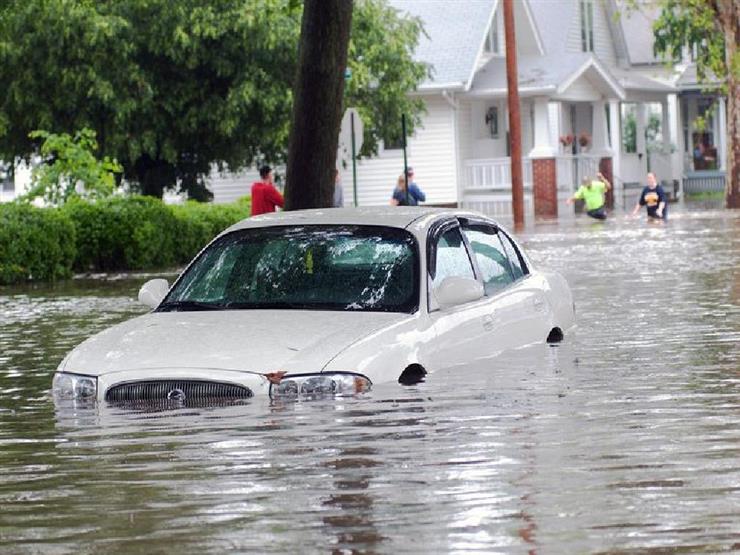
{"points": [[654, 198], [265, 197], [415, 194]]}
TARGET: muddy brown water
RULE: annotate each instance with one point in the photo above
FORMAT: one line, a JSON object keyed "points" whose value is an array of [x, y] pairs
{"points": [[625, 439]]}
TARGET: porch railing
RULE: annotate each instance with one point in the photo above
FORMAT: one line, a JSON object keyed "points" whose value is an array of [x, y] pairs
{"points": [[491, 174], [494, 174], [571, 170]]}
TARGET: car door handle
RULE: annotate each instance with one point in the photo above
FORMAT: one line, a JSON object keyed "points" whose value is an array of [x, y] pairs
{"points": [[538, 303], [488, 322]]}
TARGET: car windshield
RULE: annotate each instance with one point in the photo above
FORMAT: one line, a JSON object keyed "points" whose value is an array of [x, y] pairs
{"points": [[365, 268]]}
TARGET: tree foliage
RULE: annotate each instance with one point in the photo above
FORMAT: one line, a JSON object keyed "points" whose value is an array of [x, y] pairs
{"points": [[174, 88], [711, 28], [382, 71], [693, 24], [71, 169]]}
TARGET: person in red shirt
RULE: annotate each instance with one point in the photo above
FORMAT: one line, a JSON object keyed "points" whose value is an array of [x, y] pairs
{"points": [[265, 197]]}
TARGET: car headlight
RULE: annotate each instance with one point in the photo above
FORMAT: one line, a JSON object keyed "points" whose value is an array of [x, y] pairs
{"points": [[319, 385], [74, 386]]}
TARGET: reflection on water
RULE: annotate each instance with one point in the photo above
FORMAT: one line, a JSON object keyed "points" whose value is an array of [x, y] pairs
{"points": [[624, 440]]}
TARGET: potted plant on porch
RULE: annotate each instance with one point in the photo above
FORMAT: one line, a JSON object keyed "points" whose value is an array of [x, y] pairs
{"points": [[567, 142], [584, 139]]}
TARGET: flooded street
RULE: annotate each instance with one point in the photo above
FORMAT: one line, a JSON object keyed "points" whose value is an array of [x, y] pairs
{"points": [[623, 440]]}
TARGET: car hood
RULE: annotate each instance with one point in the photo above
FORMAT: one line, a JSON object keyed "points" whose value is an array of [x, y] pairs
{"points": [[245, 340]]}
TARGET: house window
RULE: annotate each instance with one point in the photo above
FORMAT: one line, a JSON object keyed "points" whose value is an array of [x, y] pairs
{"points": [[492, 121], [629, 127], [704, 150], [493, 39], [587, 25]]}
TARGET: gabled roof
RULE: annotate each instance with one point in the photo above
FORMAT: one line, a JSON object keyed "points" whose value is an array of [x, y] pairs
{"points": [[456, 33], [636, 27], [552, 18], [549, 75]]}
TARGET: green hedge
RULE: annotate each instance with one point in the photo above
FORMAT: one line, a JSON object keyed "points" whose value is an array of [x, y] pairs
{"points": [[122, 233], [35, 243], [198, 223], [118, 233]]}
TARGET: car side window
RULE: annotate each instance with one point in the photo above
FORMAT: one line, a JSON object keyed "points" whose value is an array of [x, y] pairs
{"points": [[518, 266], [451, 257], [493, 262]]}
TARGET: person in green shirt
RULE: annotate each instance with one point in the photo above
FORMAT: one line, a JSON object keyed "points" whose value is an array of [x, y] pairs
{"points": [[593, 193]]}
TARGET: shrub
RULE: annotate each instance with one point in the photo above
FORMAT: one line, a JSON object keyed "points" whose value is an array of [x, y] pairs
{"points": [[71, 163], [198, 223], [122, 233], [35, 243], [117, 233]]}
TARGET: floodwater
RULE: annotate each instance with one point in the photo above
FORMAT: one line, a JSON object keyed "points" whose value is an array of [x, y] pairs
{"points": [[623, 440]]}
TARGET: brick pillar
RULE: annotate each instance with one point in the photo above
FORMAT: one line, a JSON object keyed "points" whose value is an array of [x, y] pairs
{"points": [[545, 188], [605, 167]]}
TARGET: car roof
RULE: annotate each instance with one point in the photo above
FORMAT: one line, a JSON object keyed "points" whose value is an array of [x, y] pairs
{"points": [[391, 216]]}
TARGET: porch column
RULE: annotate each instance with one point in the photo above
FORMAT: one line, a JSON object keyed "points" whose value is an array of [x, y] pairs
{"points": [[543, 145], [722, 132], [675, 143], [544, 187], [600, 138], [641, 124], [615, 135], [544, 173], [601, 148], [665, 127]]}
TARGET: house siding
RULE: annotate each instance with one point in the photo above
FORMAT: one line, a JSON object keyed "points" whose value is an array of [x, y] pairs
{"points": [[603, 44], [229, 187], [465, 135], [581, 91], [431, 152]]}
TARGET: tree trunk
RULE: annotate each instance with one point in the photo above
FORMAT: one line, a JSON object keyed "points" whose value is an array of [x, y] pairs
{"points": [[729, 12], [153, 176], [317, 103]]}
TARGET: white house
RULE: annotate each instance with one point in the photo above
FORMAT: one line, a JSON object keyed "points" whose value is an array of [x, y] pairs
{"points": [[583, 72]]}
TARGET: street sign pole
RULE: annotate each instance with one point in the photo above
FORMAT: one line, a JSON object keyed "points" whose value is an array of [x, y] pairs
{"points": [[405, 162], [354, 164]]}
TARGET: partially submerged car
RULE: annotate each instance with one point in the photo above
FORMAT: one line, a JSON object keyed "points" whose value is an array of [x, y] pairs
{"points": [[321, 302]]}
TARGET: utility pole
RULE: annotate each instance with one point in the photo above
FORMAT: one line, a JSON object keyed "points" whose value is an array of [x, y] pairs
{"points": [[515, 122]]}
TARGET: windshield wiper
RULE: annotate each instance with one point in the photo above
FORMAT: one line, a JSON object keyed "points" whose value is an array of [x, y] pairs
{"points": [[185, 306]]}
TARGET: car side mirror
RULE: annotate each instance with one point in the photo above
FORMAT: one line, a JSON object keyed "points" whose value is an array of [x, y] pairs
{"points": [[153, 291], [456, 290]]}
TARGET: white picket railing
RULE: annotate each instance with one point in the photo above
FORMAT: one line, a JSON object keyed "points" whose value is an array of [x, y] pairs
{"points": [[570, 170], [492, 174]]}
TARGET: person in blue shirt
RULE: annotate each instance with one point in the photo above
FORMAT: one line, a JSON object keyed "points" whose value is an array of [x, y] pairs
{"points": [[415, 194], [654, 198]]}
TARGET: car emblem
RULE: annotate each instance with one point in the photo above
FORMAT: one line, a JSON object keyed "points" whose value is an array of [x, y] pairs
{"points": [[176, 395]]}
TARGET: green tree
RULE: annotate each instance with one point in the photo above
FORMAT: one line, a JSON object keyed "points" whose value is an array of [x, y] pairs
{"points": [[712, 28], [174, 88], [71, 169]]}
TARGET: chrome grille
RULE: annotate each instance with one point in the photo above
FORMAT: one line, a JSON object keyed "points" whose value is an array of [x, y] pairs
{"points": [[176, 390]]}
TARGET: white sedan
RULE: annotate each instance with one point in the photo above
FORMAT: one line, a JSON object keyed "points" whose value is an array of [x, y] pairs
{"points": [[321, 302]]}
